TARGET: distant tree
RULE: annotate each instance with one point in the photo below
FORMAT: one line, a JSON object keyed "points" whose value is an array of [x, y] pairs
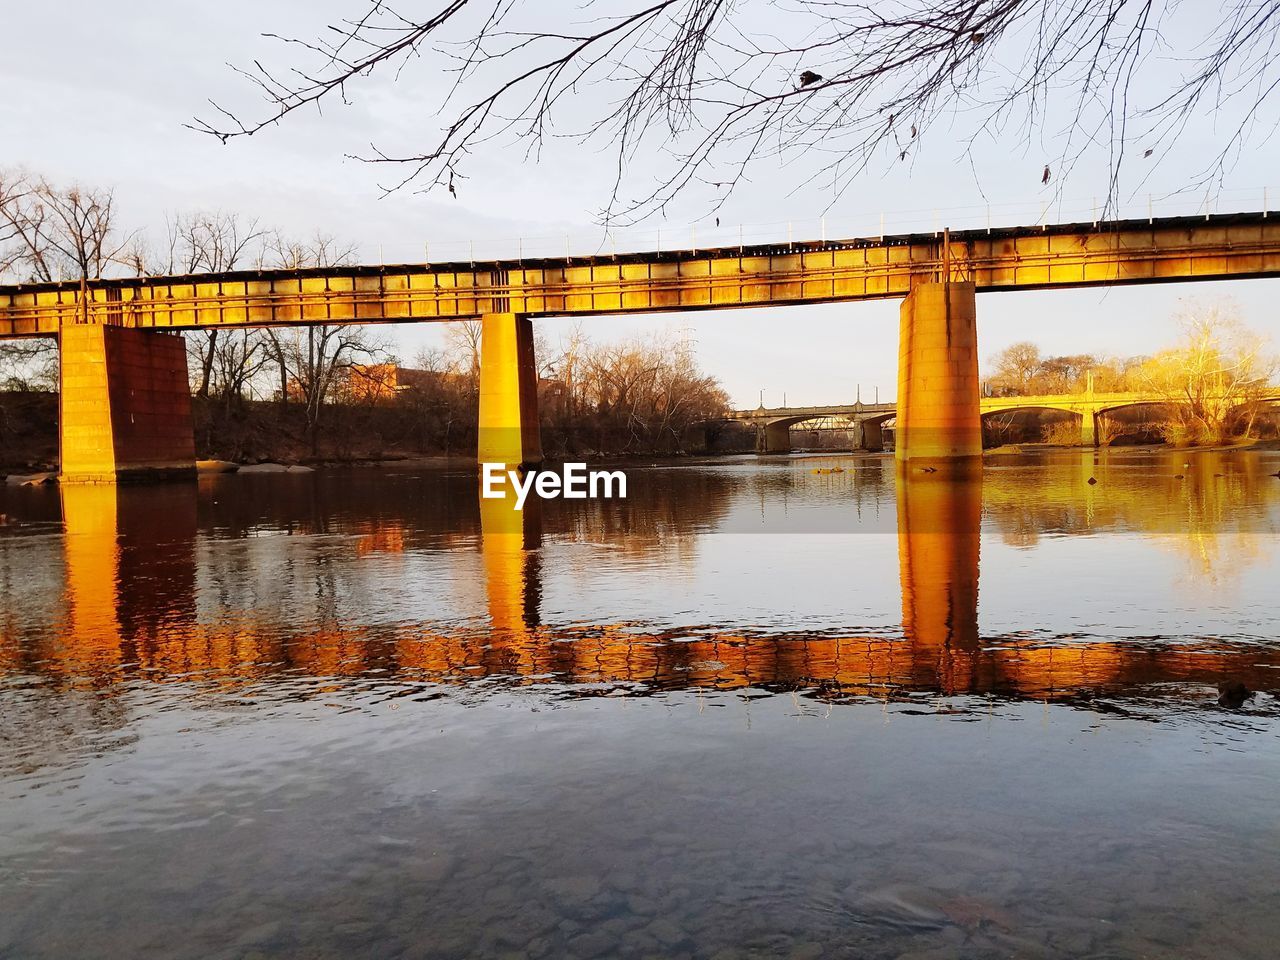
{"points": [[29, 365], [52, 232], [1014, 368], [286, 253], [462, 346], [282, 252], [1021, 371], [1064, 374], [314, 361], [47, 233], [1118, 375], [1216, 374], [211, 242], [641, 394], [441, 400], [712, 85]]}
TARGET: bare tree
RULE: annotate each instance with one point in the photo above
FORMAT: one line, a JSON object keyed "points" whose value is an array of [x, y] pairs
{"points": [[57, 233], [209, 242], [320, 360], [462, 341], [640, 394], [1219, 372], [290, 253], [29, 365], [1014, 368], [280, 251], [314, 362], [716, 84], [238, 360]]}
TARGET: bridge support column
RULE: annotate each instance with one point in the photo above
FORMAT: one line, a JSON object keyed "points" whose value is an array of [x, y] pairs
{"points": [[508, 430], [125, 405], [773, 438], [938, 420], [870, 436], [1088, 429]]}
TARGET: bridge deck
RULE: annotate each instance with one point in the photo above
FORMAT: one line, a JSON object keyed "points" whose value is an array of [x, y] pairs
{"points": [[1016, 258]]}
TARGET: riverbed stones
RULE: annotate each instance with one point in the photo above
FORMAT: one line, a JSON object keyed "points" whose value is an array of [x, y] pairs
{"points": [[216, 466], [31, 479], [264, 468]]}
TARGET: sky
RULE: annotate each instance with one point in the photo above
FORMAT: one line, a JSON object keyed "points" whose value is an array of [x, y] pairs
{"points": [[103, 98]]}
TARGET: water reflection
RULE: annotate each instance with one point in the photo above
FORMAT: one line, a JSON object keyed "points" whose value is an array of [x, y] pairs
{"points": [[939, 531], [130, 569], [753, 711], [416, 578]]}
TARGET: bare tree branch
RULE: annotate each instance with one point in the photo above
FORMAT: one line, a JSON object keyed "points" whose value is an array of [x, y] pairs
{"points": [[705, 87]]}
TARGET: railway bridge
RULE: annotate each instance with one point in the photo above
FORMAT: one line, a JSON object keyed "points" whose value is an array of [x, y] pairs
{"points": [[125, 405]]}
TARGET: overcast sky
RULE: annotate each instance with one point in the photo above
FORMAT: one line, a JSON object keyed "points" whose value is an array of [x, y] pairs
{"points": [[98, 92]]}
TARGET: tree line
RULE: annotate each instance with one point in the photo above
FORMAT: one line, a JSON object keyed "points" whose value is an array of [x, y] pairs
{"points": [[641, 394]]}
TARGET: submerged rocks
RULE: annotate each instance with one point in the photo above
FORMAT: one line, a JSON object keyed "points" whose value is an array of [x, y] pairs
{"points": [[275, 468], [1232, 694], [31, 479], [216, 466]]}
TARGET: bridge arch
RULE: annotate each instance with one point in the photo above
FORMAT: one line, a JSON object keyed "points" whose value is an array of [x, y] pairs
{"points": [[774, 436], [1086, 419]]}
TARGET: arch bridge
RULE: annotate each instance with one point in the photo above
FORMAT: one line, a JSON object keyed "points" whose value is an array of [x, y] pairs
{"points": [[125, 404], [773, 425]]}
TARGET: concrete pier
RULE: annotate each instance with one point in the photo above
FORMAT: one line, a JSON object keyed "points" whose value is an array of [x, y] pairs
{"points": [[508, 426], [939, 425], [125, 405]]}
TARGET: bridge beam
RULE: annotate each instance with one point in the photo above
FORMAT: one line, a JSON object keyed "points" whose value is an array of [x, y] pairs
{"points": [[938, 398], [124, 405], [508, 431]]}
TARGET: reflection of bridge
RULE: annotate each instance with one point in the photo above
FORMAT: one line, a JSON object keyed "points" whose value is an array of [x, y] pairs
{"points": [[131, 608], [773, 425], [124, 403]]}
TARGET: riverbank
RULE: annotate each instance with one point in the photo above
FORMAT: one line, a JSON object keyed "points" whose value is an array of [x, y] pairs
{"points": [[257, 432]]}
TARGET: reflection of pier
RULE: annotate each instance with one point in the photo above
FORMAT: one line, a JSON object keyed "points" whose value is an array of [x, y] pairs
{"points": [[131, 612], [130, 566]]}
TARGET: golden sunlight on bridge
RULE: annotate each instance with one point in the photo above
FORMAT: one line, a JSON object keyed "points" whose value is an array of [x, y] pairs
{"points": [[125, 410], [1053, 255]]}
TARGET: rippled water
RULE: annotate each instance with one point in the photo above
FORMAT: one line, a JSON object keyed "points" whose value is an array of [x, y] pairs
{"points": [[752, 711]]}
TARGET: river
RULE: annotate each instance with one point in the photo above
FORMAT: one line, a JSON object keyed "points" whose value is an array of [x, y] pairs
{"points": [[777, 707]]}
